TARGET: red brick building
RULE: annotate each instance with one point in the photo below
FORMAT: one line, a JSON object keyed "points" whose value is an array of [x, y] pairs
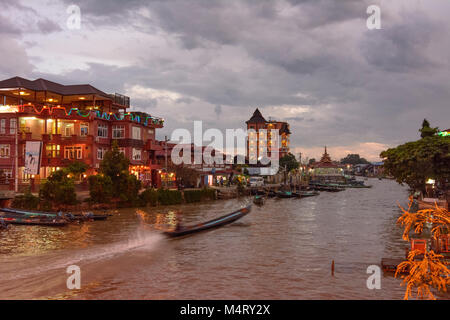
{"points": [[74, 122], [256, 145]]}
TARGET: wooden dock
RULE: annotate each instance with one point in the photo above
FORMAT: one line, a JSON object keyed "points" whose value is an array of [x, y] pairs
{"points": [[390, 265]]}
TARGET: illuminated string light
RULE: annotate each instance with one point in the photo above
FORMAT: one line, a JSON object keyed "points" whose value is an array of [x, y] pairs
{"points": [[98, 114]]}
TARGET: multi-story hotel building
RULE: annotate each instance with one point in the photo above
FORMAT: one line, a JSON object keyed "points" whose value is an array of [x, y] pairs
{"points": [[74, 122], [256, 145]]}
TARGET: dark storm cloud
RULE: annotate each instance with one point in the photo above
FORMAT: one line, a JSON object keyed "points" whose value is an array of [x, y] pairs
{"points": [[17, 19], [400, 47], [359, 85]]}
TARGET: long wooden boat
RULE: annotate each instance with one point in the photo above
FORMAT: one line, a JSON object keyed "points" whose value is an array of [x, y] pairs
{"points": [[271, 194], [309, 193], [3, 224], [68, 216], [36, 221], [258, 200], [327, 188], [214, 223], [286, 194]]}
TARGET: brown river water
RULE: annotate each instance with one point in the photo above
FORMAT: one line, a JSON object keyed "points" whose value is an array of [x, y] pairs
{"points": [[282, 250]]}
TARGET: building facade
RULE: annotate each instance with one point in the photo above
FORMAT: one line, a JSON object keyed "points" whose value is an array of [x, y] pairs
{"points": [[74, 123], [327, 170], [260, 144]]}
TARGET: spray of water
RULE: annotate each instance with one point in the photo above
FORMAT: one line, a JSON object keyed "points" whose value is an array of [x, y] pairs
{"points": [[142, 240]]}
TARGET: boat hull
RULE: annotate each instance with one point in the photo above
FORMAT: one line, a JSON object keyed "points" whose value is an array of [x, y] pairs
{"points": [[36, 222], [259, 200], [43, 214], [211, 224]]}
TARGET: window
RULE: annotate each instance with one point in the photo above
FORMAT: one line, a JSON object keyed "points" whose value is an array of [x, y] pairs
{"points": [[7, 173], [4, 150], [151, 131], [102, 131], [137, 133], [68, 131], [118, 132], [3, 126], [53, 150], [101, 153], [12, 126], [73, 153], [136, 154], [122, 150], [84, 129]]}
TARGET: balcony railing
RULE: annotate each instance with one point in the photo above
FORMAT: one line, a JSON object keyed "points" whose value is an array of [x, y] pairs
{"points": [[121, 100]]}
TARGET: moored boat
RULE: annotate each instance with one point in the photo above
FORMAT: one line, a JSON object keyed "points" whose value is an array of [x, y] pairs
{"points": [[3, 224], [36, 221], [258, 200], [328, 188], [309, 193], [43, 214], [271, 194], [286, 194], [214, 223]]}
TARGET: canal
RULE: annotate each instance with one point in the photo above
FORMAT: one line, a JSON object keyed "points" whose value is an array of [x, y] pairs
{"points": [[282, 250]]}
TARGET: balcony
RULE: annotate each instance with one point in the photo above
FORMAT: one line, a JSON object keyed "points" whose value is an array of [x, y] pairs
{"points": [[136, 143], [120, 100], [73, 139], [152, 145]]}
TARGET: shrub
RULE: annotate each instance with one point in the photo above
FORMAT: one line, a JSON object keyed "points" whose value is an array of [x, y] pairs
{"points": [[26, 201], [130, 193], [191, 196], [168, 197], [100, 188], [58, 189], [149, 197]]}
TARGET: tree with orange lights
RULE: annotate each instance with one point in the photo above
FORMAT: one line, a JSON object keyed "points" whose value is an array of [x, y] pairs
{"points": [[424, 270]]}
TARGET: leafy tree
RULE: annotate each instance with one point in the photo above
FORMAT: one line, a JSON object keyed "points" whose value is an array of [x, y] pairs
{"points": [[130, 190], [354, 159], [415, 162], [311, 161], [289, 162], [115, 167], [426, 130], [59, 189], [425, 270], [76, 168], [100, 188]]}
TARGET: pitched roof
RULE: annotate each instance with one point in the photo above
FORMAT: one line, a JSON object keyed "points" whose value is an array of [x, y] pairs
{"points": [[46, 85], [285, 128], [325, 161], [257, 117]]}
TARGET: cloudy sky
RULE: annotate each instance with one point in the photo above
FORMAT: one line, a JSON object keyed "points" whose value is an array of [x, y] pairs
{"points": [[313, 63]]}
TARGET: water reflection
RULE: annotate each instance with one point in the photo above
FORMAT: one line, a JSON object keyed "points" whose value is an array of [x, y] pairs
{"points": [[282, 250]]}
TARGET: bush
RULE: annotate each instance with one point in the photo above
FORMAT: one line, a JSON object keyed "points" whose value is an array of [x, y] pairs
{"points": [[168, 197], [149, 197], [130, 193], [58, 189], [191, 196], [26, 201], [100, 188]]}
